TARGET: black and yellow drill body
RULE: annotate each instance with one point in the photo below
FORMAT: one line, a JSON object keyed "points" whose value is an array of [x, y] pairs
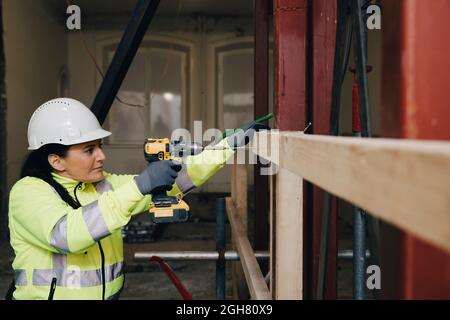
{"points": [[165, 208]]}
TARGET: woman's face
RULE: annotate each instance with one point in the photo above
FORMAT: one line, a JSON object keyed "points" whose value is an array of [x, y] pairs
{"points": [[84, 162]]}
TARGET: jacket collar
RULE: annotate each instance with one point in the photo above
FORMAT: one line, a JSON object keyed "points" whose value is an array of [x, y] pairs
{"points": [[68, 183]]}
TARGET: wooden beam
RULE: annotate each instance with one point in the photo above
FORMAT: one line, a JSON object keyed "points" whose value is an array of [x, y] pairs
{"points": [[239, 198], [253, 275], [289, 236], [404, 182], [272, 235], [239, 187]]}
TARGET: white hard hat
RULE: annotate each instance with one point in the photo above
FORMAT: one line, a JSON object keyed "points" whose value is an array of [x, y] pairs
{"points": [[63, 121]]}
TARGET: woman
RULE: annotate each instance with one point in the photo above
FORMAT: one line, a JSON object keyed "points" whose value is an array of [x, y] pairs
{"points": [[66, 213]]}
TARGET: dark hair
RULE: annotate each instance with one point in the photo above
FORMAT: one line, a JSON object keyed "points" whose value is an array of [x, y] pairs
{"points": [[37, 165]]}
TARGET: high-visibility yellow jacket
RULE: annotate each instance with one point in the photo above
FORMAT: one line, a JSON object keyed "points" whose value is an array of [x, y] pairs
{"points": [[80, 252]]}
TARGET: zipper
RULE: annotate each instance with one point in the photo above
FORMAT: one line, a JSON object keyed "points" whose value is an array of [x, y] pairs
{"points": [[103, 270], [102, 254], [52, 289]]}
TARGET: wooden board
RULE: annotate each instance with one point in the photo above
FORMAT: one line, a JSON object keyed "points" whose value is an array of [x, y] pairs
{"points": [[289, 236], [404, 182], [253, 275], [239, 198], [272, 245]]}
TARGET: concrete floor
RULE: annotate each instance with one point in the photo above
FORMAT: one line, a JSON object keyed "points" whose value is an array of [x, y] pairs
{"points": [[145, 280]]}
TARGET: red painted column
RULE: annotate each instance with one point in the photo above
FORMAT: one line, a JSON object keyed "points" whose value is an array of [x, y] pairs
{"points": [[290, 69], [323, 41], [290, 19], [415, 104]]}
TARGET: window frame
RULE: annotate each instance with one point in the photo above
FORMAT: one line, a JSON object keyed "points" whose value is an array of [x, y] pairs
{"points": [[151, 43]]}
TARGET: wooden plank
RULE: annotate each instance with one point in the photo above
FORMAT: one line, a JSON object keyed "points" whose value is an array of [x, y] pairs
{"points": [[239, 187], [272, 223], [404, 182], [289, 236], [239, 197], [253, 275]]}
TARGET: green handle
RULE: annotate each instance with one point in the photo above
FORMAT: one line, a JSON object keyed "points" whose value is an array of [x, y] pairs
{"points": [[264, 118], [259, 120]]}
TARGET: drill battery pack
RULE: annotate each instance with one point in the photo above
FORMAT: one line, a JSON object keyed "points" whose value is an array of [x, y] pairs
{"points": [[168, 209]]}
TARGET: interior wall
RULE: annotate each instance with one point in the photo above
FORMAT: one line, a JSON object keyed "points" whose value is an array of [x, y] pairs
{"points": [[35, 42]]}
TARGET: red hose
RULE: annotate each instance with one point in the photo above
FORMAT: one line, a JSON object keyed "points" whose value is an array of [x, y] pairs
{"points": [[356, 126], [355, 107], [173, 277]]}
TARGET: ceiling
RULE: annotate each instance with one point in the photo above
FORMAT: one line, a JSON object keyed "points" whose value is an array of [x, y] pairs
{"points": [[166, 7]]}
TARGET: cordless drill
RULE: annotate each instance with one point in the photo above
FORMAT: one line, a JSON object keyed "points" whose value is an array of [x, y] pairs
{"points": [[167, 208]]}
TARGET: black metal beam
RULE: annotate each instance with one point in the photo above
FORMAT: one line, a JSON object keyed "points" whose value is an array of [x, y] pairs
{"points": [[128, 46], [261, 108]]}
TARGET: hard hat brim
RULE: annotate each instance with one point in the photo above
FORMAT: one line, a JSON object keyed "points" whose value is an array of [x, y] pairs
{"points": [[91, 136]]}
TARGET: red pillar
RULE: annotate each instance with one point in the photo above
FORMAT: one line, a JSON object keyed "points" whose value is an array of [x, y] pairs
{"points": [[290, 18], [415, 104], [290, 68], [323, 44]]}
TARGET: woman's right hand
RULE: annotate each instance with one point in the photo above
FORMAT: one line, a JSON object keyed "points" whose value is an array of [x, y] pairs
{"points": [[158, 177]]}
